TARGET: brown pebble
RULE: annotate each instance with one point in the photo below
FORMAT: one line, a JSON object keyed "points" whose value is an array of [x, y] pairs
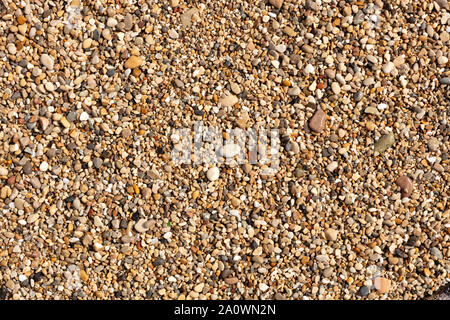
{"points": [[276, 3], [405, 185], [317, 122]]}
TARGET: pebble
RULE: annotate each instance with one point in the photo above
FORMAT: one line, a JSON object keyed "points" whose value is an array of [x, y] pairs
{"points": [[332, 166], [173, 34], [3, 171], [436, 253], [382, 285], [235, 88], [309, 69], [364, 291], [294, 91], [84, 116], [263, 287], [331, 234], [230, 150], [47, 61], [405, 185], [141, 226], [213, 174], [228, 101], [101, 102], [336, 88], [317, 122], [276, 3], [388, 67], [433, 144], [231, 280], [385, 142], [133, 62]]}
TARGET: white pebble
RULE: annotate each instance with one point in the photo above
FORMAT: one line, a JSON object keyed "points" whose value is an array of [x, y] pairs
{"points": [[44, 166]]}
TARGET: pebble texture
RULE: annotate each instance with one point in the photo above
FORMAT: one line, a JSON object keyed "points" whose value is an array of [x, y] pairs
{"points": [[93, 207]]}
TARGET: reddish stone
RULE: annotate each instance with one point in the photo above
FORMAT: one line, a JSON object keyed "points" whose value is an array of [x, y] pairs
{"points": [[276, 3], [317, 122], [232, 280], [405, 185], [382, 284]]}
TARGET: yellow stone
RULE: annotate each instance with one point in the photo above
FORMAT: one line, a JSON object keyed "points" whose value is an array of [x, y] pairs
{"points": [[133, 62], [83, 275], [195, 194]]}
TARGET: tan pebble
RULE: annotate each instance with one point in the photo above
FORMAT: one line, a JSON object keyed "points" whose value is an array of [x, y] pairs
{"points": [[276, 3], [232, 280]]}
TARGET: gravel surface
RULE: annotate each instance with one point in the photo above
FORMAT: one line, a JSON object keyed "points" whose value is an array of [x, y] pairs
{"points": [[93, 205]]}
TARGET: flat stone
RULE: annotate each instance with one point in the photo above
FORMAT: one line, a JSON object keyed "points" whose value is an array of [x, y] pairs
{"points": [[405, 185], [317, 122], [384, 142], [47, 61]]}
